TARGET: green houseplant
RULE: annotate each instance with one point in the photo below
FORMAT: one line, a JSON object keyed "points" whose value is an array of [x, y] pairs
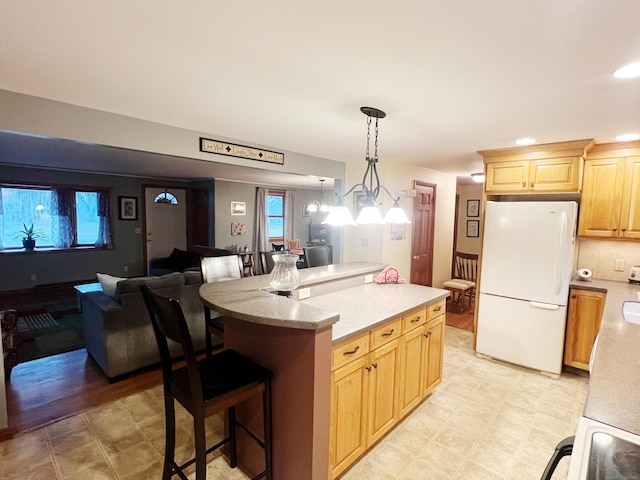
{"points": [[29, 235]]}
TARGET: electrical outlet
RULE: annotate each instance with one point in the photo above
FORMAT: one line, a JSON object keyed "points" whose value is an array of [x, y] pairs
{"points": [[33, 277], [125, 268], [364, 242], [619, 265], [368, 278], [304, 293]]}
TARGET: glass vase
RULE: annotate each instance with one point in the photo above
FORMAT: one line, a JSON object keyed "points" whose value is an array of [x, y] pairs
{"points": [[284, 276]]}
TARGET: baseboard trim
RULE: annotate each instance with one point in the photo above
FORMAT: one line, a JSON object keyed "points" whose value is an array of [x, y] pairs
{"points": [[5, 434]]}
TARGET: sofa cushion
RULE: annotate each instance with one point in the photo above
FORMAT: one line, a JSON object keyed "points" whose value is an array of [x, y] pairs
{"points": [[130, 285], [108, 283]]}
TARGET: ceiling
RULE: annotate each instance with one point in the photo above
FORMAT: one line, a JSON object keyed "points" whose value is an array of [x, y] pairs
{"points": [[453, 77]]}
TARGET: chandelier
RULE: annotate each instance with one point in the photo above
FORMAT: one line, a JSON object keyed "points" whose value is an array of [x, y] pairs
{"points": [[369, 212], [319, 206]]}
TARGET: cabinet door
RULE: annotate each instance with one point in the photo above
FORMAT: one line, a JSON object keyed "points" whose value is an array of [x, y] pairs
{"points": [[383, 382], [601, 198], [630, 211], [348, 414], [432, 351], [411, 371], [556, 175], [583, 325], [507, 177]]}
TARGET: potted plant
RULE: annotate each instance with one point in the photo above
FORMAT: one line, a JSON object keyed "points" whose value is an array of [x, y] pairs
{"points": [[29, 235]]}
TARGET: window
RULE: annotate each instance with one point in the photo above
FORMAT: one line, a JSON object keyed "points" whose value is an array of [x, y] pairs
{"points": [[62, 217], [275, 215]]}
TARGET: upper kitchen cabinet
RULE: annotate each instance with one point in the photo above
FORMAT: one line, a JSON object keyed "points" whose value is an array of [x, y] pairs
{"points": [[547, 168], [610, 206]]}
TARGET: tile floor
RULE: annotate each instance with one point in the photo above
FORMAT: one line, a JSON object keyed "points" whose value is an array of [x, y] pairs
{"points": [[486, 421]]}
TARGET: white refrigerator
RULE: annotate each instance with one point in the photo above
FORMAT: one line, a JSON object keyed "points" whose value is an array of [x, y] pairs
{"points": [[527, 263]]}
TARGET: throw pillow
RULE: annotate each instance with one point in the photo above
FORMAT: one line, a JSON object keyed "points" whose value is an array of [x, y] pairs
{"points": [[108, 283]]}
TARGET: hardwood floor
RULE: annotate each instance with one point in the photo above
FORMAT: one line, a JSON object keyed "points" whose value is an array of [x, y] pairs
{"points": [[48, 389]]}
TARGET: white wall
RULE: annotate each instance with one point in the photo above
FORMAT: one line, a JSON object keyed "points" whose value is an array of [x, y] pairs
{"points": [[373, 242], [468, 244]]}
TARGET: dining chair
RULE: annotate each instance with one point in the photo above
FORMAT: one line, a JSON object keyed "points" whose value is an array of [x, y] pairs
{"points": [[293, 244], [266, 261], [218, 269], [317, 256], [205, 387], [463, 283]]}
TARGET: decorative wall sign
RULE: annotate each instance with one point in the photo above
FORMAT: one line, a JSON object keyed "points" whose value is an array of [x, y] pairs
{"points": [[238, 208], [237, 229], [128, 208], [473, 228], [241, 151], [473, 208]]}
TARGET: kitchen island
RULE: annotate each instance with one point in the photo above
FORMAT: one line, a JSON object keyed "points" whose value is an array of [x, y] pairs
{"points": [[296, 339]]}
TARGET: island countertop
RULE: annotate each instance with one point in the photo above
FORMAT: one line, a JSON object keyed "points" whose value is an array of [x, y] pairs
{"points": [[366, 306], [613, 397], [252, 298]]}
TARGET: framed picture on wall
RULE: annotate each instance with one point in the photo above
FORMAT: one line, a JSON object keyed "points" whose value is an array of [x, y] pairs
{"points": [[238, 208], [473, 228], [128, 208], [473, 208]]}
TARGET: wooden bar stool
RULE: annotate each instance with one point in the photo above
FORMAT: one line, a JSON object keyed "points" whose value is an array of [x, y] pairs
{"points": [[204, 388]]}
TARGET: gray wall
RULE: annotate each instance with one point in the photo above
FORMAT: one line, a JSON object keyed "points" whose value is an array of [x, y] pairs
{"points": [[76, 266]]}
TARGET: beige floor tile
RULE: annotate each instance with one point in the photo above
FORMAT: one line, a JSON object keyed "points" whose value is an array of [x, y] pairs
{"points": [[72, 460], [368, 470], [494, 458], [140, 459], [473, 471], [30, 449], [393, 458], [42, 471], [94, 471], [142, 406]]}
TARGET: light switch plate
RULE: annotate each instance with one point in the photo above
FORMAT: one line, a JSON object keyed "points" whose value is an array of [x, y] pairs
{"points": [[619, 265], [304, 293], [368, 278]]}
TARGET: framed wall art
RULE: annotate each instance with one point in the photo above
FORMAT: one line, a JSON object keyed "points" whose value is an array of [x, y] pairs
{"points": [[473, 228], [238, 208], [128, 208], [473, 208]]}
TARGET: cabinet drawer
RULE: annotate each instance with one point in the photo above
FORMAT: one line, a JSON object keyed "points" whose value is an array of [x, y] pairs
{"points": [[414, 319], [350, 350], [436, 309], [386, 333]]}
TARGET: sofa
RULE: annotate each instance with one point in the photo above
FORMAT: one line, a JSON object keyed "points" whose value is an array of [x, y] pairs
{"points": [[181, 260], [117, 328]]}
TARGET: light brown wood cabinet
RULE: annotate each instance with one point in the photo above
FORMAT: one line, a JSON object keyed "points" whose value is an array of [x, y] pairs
{"points": [[548, 168], [610, 206], [583, 324], [381, 376]]}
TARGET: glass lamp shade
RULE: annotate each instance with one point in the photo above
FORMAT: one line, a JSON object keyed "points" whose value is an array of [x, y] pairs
{"points": [[339, 215], [369, 214], [396, 215], [324, 207], [312, 207]]}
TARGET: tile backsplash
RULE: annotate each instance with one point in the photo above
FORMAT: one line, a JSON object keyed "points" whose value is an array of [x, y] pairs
{"points": [[600, 256]]}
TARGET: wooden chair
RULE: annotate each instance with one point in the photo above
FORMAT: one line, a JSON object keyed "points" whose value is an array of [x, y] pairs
{"points": [[204, 388], [218, 269], [317, 256], [463, 284], [291, 244]]}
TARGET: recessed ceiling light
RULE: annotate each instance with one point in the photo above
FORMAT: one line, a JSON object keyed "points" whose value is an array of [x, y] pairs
{"points": [[628, 137], [628, 71], [525, 141], [478, 177]]}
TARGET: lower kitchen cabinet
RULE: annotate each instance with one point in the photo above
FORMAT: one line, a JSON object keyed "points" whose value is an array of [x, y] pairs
{"points": [[583, 324], [380, 377]]}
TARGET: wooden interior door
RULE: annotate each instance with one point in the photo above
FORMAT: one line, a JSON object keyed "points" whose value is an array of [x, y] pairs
{"points": [[424, 212], [165, 223]]}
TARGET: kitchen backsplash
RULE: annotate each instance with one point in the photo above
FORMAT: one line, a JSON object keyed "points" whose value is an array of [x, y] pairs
{"points": [[600, 257]]}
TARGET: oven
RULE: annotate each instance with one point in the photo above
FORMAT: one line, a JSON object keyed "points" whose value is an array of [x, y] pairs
{"points": [[602, 452]]}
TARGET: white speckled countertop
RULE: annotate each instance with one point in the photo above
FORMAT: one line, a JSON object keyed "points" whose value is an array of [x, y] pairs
{"points": [[350, 309], [614, 386], [366, 306]]}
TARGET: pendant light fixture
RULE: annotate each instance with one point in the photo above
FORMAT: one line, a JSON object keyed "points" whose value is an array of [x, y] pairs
{"points": [[319, 206], [369, 213]]}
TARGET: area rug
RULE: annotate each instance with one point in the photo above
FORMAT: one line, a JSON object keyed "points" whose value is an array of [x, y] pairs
{"points": [[45, 332]]}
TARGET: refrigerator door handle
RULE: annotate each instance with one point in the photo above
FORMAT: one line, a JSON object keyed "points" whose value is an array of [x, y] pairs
{"points": [[545, 306], [558, 272]]}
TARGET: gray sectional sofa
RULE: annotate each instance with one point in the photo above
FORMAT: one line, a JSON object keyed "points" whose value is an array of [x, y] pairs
{"points": [[117, 329]]}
